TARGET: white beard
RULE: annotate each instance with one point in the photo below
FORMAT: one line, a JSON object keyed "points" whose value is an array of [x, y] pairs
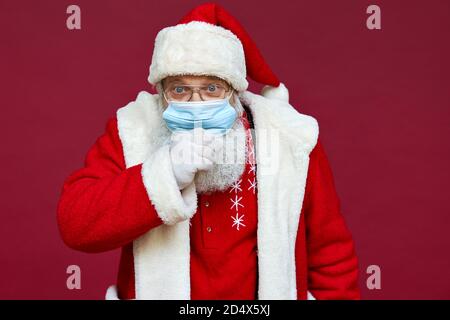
{"points": [[230, 162]]}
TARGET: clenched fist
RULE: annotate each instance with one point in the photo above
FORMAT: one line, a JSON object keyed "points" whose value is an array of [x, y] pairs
{"points": [[191, 151]]}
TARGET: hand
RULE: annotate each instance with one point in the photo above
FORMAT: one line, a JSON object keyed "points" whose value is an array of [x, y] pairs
{"points": [[190, 152]]}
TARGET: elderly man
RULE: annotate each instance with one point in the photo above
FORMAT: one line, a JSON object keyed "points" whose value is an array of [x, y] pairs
{"points": [[210, 190]]}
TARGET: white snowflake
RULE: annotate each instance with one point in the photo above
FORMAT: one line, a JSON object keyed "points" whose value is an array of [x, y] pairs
{"points": [[236, 202], [236, 186], [252, 169], [237, 221], [252, 185]]}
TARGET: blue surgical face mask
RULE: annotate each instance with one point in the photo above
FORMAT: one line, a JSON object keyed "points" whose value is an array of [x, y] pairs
{"points": [[215, 116]]}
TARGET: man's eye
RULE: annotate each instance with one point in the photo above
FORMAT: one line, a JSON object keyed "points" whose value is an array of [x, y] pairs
{"points": [[179, 89], [212, 87]]}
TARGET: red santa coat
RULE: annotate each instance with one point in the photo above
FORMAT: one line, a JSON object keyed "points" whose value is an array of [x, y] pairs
{"points": [[126, 196]]}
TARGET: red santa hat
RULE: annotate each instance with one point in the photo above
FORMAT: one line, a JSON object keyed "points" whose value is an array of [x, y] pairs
{"points": [[209, 41]]}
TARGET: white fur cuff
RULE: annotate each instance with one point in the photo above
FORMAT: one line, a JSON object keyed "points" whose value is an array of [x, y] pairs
{"points": [[172, 205]]}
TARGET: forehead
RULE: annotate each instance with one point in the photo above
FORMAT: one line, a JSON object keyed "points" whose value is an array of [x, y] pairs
{"points": [[191, 79]]}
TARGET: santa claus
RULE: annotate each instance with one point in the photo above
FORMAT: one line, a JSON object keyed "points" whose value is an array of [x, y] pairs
{"points": [[211, 191]]}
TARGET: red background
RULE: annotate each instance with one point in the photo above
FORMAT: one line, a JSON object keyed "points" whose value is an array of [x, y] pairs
{"points": [[381, 99]]}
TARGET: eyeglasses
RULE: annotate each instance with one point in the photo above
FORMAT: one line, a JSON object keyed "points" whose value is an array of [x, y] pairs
{"points": [[184, 92]]}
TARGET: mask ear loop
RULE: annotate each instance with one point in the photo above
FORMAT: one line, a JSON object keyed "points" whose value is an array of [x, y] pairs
{"points": [[165, 98]]}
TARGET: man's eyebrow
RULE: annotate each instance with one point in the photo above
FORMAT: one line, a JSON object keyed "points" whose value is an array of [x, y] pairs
{"points": [[174, 80]]}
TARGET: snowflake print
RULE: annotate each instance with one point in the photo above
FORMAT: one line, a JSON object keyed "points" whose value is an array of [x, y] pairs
{"points": [[236, 186], [237, 221], [252, 169], [236, 202], [252, 185]]}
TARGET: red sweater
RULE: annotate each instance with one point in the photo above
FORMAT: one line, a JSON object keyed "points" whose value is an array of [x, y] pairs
{"points": [[105, 206]]}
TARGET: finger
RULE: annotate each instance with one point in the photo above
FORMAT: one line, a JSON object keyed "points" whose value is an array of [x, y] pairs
{"points": [[200, 152], [208, 138], [205, 164], [208, 153], [186, 152], [196, 148]]}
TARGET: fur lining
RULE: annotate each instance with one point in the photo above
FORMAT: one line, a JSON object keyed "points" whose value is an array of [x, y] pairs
{"points": [[162, 263], [141, 128], [284, 139], [217, 52]]}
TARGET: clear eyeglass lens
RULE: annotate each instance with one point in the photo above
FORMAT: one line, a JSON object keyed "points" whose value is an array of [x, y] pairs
{"points": [[211, 91]]}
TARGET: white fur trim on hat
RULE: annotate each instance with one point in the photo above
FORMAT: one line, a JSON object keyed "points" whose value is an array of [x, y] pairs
{"points": [[199, 48]]}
